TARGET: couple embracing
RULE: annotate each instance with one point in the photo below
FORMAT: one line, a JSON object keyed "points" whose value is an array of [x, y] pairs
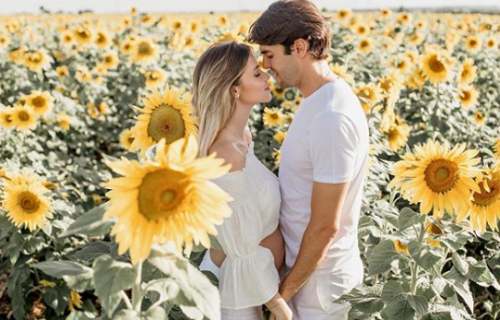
{"points": [[291, 243]]}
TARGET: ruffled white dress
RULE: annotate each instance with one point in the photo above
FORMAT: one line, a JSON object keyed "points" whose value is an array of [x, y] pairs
{"points": [[248, 277]]}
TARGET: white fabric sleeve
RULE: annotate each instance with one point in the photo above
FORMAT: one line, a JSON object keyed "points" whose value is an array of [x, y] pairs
{"points": [[334, 143], [248, 276]]}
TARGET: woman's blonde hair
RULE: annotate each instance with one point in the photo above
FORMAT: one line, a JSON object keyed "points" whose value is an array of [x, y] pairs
{"points": [[216, 72]]}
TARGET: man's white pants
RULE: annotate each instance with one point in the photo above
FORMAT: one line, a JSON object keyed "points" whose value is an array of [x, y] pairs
{"points": [[315, 300]]}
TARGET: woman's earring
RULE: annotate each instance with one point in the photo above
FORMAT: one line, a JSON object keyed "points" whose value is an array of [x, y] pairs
{"points": [[237, 95]]}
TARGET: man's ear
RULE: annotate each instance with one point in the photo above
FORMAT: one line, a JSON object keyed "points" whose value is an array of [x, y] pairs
{"points": [[300, 46]]}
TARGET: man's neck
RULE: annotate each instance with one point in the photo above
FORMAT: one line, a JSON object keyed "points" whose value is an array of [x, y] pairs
{"points": [[314, 77]]}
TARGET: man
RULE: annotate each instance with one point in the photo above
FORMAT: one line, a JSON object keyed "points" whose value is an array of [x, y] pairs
{"points": [[323, 162]]}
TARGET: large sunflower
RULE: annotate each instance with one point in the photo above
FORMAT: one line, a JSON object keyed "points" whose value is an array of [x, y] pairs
{"points": [[169, 199], [24, 118], [41, 102], [467, 73], [168, 116], [485, 205], [25, 200], [436, 64], [438, 178]]}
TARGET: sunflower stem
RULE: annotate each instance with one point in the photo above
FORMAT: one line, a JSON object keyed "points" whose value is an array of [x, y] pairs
{"points": [[127, 301], [414, 270], [136, 289]]}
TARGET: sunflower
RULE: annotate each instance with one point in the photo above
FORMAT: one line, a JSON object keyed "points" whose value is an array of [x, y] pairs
{"points": [[273, 117], [416, 80], [127, 46], [75, 300], [102, 39], [343, 14], [492, 43], [64, 121], [4, 40], [497, 148], [438, 178], [277, 157], [25, 200], [415, 38], [405, 18], [369, 95], [83, 34], [467, 73], [468, 96], [341, 71], [365, 45], [390, 83], [485, 205], [144, 51], [37, 60], [62, 72], [126, 139], [168, 116], [436, 64], [17, 55], [432, 229], [155, 77], [6, 120], [385, 13], [473, 43], [169, 199], [398, 134], [24, 118], [67, 38], [361, 29], [280, 136], [479, 118], [401, 248], [110, 59], [401, 63], [41, 102]]}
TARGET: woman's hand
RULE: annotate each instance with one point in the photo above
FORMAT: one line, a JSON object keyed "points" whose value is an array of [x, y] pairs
{"points": [[281, 312], [279, 308]]}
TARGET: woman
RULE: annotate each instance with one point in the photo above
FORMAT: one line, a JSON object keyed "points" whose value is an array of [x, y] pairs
{"points": [[227, 83]]}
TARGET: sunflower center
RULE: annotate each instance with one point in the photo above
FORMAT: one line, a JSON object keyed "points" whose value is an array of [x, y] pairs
{"points": [[8, 118], [166, 122], [274, 116], [466, 95], [364, 44], [472, 43], [101, 38], [145, 49], [28, 202], [487, 198], [38, 102], [108, 59], [465, 73], [435, 65], [161, 193], [441, 175], [24, 116]]}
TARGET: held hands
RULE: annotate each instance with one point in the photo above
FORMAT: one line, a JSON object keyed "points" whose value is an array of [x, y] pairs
{"points": [[280, 310]]}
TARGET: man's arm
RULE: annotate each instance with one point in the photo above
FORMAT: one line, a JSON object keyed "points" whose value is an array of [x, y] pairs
{"points": [[326, 205]]}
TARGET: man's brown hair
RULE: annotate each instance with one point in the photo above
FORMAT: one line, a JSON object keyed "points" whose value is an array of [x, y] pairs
{"points": [[288, 20]]}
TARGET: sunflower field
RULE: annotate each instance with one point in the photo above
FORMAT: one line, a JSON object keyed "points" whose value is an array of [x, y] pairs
{"points": [[105, 209]]}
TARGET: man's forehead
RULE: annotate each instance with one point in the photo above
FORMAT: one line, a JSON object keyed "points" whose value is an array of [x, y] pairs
{"points": [[265, 48]]}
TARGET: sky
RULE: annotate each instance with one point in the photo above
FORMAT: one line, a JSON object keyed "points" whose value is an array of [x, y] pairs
{"points": [[122, 6]]}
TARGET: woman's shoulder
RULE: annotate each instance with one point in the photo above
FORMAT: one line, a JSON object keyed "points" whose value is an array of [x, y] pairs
{"points": [[231, 153]]}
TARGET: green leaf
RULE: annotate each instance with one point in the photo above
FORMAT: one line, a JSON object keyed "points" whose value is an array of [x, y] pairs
{"points": [[167, 288], [382, 256], [195, 289], [77, 315], [437, 316], [391, 289], [407, 218], [93, 251], [430, 258], [90, 223], [461, 286], [57, 298], [460, 264], [16, 289], [110, 278], [33, 244], [59, 269], [152, 314], [405, 306], [481, 274]]}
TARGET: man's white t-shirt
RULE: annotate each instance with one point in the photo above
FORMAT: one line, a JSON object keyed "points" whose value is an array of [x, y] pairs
{"points": [[327, 142]]}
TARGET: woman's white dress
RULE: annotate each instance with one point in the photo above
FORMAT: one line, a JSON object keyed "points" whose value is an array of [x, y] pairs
{"points": [[248, 277]]}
